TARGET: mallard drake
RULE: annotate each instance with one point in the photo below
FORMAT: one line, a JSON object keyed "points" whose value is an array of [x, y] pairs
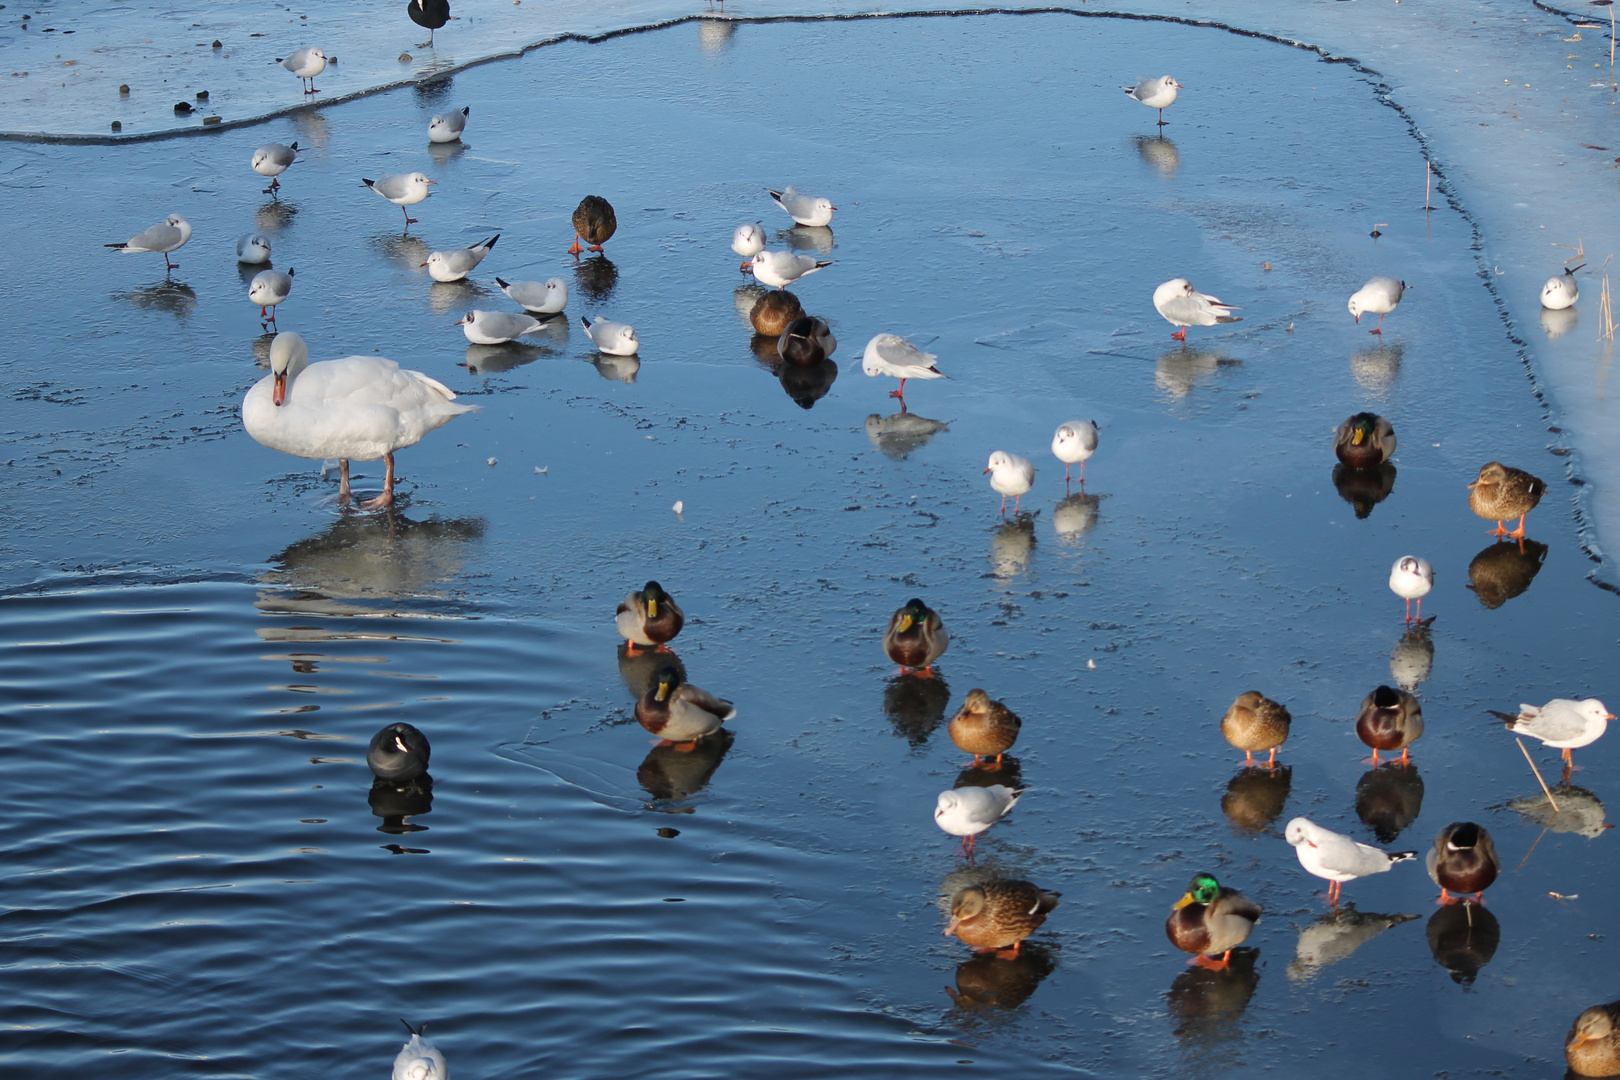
{"points": [[593, 222], [772, 313], [1210, 920], [1389, 720], [649, 618], [999, 914], [398, 752], [1501, 493], [1592, 1047], [1463, 860], [1255, 724], [983, 728], [915, 638], [678, 712], [1364, 441]]}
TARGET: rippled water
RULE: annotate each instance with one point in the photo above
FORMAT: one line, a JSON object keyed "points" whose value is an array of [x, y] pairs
{"points": [[197, 646]]}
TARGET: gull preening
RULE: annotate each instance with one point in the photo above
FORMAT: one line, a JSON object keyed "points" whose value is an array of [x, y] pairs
{"points": [[1336, 857], [1411, 578], [1183, 306], [1379, 297], [273, 159], [269, 289], [306, 64], [1074, 443], [613, 338], [169, 236], [1010, 475], [1157, 93], [253, 249], [780, 269], [401, 189], [419, 1059], [538, 298], [748, 240], [447, 127], [357, 408], [1563, 724], [804, 209], [894, 356], [457, 263], [969, 811], [496, 327]]}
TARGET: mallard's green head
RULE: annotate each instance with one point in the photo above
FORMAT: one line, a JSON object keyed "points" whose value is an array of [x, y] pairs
{"points": [[1362, 426], [652, 596], [668, 680], [913, 613], [1203, 889]]}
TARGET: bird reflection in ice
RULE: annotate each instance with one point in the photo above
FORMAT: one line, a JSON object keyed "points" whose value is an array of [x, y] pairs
{"points": [[1179, 371], [1412, 658], [639, 670], [446, 297], [1504, 570], [1377, 368], [1558, 323], [1389, 798], [1364, 489], [1579, 811], [673, 773], [715, 34], [1075, 516], [816, 238], [616, 368], [596, 278], [397, 800], [1205, 1006], [1463, 938], [989, 981], [898, 435], [915, 705], [276, 215], [1009, 773], [1012, 544], [446, 152], [1332, 937], [174, 297], [1159, 152], [1255, 797], [807, 385], [403, 251], [496, 359]]}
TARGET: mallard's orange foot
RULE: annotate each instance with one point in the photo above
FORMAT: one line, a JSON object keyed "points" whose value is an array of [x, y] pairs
{"points": [[1209, 964], [596, 247], [1373, 761], [576, 249], [1007, 954], [630, 649]]}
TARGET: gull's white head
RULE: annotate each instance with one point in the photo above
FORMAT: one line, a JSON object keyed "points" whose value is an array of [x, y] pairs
{"points": [[288, 356], [1594, 710], [1170, 290], [948, 801], [557, 292], [998, 461], [1299, 831]]}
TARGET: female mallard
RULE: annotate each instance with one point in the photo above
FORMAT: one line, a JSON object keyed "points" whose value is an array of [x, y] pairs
{"points": [[1364, 441], [915, 638], [1501, 493], [1255, 724], [593, 222], [1592, 1047], [1463, 860], [983, 728], [649, 618], [1389, 720], [678, 712], [773, 312], [1210, 920], [999, 914]]}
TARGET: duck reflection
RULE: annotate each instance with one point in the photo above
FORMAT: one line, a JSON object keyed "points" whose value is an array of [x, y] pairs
{"points": [[715, 34], [639, 670], [670, 774], [175, 297], [274, 216], [898, 435], [1389, 798], [1075, 516], [1159, 152], [765, 350], [1331, 938], [1364, 489], [1412, 658], [1558, 323], [596, 278], [1377, 368], [445, 297], [405, 251], [1205, 1006], [616, 368], [1256, 796], [1504, 570], [986, 774], [915, 705], [1180, 370], [1579, 811], [494, 359], [807, 385], [1463, 938], [989, 981], [394, 801], [817, 238], [1011, 546]]}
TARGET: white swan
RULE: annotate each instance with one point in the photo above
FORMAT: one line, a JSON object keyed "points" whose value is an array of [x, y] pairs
{"points": [[355, 407]]}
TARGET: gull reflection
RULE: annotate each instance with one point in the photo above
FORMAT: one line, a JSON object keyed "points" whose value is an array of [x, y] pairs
{"points": [[1205, 1006], [395, 801], [1075, 516], [1333, 937], [816, 238], [715, 34], [898, 435], [1159, 152], [1504, 570], [1579, 811], [459, 297], [1558, 323], [275, 215], [494, 359], [1389, 798], [670, 774], [807, 385], [1364, 489], [746, 297], [443, 153], [248, 271], [312, 127], [1256, 796], [616, 368], [1463, 938], [1412, 658], [1376, 368], [405, 251], [261, 350], [1011, 546], [596, 278], [915, 705], [175, 297], [1180, 370], [989, 981]]}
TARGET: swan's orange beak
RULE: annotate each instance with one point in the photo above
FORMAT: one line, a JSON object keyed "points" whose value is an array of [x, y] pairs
{"points": [[278, 389]]}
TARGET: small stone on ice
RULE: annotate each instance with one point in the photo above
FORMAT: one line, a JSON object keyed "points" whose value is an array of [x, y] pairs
{"points": [[679, 506], [404, 57]]}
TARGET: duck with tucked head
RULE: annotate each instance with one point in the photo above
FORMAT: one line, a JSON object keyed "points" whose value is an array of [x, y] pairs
{"points": [[1255, 724], [984, 728], [1462, 861], [648, 618], [1592, 1047], [1000, 914], [1364, 441], [915, 638], [1210, 921], [1389, 720], [680, 713]]}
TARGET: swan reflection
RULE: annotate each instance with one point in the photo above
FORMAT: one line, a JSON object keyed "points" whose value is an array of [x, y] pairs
{"points": [[1504, 570], [1333, 937], [903, 432]]}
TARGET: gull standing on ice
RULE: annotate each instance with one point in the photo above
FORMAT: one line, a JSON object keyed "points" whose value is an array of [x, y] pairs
{"points": [[1010, 475], [306, 64], [457, 263], [545, 300], [894, 356], [1183, 306], [969, 811], [1075, 442], [1411, 578], [1563, 724], [613, 338], [496, 327], [169, 236], [1561, 292], [1157, 93], [447, 127], [273, 159], [401, 189], [804, 209], [748, 241], [782, 268], [269, 289], [419, 1059], [1336, 857], [1380, 296], [253, 249]]}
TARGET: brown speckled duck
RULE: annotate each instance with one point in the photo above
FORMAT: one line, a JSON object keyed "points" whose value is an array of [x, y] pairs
{"points": [[1255, 724], [1592, 1047], [1462, 861], [984, 728], [649, 618], [680, 713], [772, 313], [594, 223], [1210, 921], [1364, 441], [916, 637], [1389, 720], [1501, 493], [999, 914]]}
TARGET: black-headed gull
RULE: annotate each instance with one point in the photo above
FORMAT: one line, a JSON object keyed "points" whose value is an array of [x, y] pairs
{"points": [[1411, 578], [1010, 475], [894, 356], [1380, 296], [419, 1059], [1183, 306], [969, 811], [268, 289], [169, 236], [1563, 724], [1336, 857], [253, 249], [457, 263], [306, 64], [1157, 93], [538, 298], [748, 240], [401, 189], [1075, 442], [496, 327], [804, 209], [613, 338], [447, 127], [273, 159], [594, 222], [1561, 292], [779, 269], [429, 15]]}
